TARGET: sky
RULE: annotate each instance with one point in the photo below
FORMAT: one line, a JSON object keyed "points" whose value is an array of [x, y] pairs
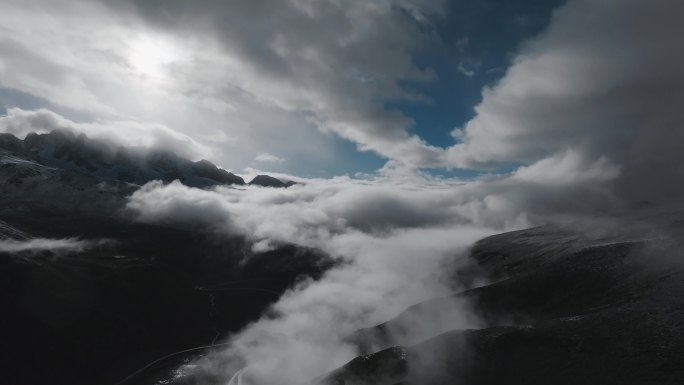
{"points": [[317, 89], [328, 88], [308, 88], [543, 107]]}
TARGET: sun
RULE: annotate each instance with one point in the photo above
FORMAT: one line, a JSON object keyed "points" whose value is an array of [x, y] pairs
{"points": [[151, 57]]}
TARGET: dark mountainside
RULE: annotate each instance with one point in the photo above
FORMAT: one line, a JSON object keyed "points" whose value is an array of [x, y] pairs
{"points": [[68, 151], [95, 316], [140, 291], [562, 308], [269, 181]]}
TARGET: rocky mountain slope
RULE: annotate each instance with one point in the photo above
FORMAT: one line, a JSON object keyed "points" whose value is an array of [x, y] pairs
{"points": [[89, 296], [135, 293], [562, 308], [69, 172], [269, 181], [65, 150]]}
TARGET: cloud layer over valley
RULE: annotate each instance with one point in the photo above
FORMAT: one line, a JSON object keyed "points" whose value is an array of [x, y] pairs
{"points": [[396, 241], [400, 243]]}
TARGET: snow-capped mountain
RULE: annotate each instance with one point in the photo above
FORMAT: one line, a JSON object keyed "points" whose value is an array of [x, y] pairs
{"points": [[66, 150]]}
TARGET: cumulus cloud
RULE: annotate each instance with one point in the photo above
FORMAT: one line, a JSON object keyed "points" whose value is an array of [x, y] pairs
{"points": [[180, 79], [337, 63], [568, 168], [260, 73], [128, 133], [606, 85], [295, 69], [597, 92]]}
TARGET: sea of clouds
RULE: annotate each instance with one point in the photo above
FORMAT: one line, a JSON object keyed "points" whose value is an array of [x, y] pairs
{"points": [[399, 241]]}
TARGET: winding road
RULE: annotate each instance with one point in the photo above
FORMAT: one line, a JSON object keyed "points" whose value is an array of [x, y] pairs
{"points": [[151, 364], [237, 377]]}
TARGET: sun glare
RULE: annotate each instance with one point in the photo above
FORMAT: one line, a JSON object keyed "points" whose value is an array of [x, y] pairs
{"points": [[151, 57]]}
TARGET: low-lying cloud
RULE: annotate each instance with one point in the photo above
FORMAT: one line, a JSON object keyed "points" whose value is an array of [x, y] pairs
{"points": [[38, 245], [129, 133], [401, 241]]}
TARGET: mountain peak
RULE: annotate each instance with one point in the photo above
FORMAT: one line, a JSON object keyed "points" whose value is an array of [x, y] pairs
{"points": [[76, 152], [269, 181]]}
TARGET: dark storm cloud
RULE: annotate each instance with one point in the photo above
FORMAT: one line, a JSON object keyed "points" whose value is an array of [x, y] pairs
{"points": [[337, 61], [118, 63]]}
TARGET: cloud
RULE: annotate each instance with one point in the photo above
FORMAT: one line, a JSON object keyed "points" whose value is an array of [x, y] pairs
{"points": [[268, 158], [23, 69], [309, 214], [568, 168], [578, 86], [597, 92], [128, 133], [400, 239], [590, 108], [604, 86], [462, 68], [296, 69], [191, 85], [572, 109], [397, 240], [37, 245]]}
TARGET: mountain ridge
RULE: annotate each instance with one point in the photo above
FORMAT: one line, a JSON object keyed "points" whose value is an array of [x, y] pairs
{"points": [[561, 307], [67, 150], [269, 181]]}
